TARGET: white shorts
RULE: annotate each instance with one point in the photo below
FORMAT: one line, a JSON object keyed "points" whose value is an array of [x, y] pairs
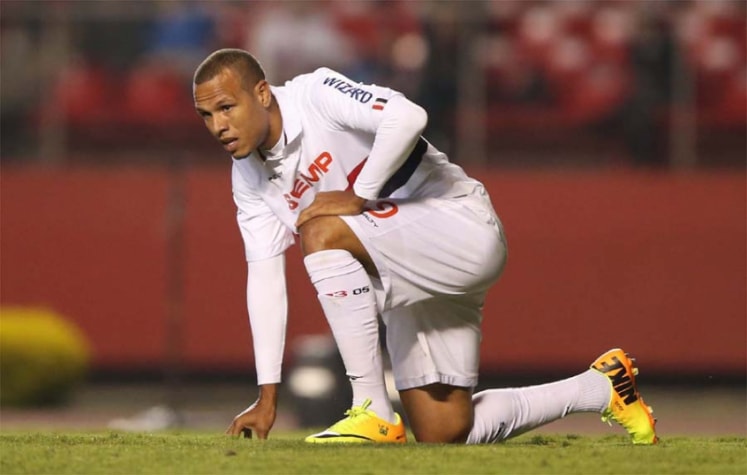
{"points": [[436, 259]]}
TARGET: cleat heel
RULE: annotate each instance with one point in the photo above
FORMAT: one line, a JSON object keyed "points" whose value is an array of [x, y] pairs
{"points": [[626, 405]]}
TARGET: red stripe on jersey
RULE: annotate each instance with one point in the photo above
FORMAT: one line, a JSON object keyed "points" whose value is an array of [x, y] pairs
{"points": [[379, 104], [353, 175]]}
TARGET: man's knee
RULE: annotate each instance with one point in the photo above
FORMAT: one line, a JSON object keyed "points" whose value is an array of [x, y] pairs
{"points": [[452, 431], [331, 232], [323, 232], [439, 413]]}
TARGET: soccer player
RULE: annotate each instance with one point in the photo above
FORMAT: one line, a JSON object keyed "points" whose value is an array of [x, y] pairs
{"points": [[388, 226]]}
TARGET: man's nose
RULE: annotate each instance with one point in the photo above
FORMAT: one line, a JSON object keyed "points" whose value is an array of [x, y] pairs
{"points": [[220, 125]]}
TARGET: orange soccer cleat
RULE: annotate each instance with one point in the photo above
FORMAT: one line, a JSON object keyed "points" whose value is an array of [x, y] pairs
{"points": [[626, 404]]}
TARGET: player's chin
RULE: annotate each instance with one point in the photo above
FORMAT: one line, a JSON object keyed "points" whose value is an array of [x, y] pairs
{"points": [[238, 151]]}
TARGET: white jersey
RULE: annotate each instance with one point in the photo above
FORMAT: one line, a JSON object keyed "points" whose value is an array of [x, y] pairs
{"points": [[329, 129], [430, 231]]}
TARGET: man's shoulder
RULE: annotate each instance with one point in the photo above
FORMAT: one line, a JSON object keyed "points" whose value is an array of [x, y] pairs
{"points": [[245, 173], [304, 94], [317, 77]]}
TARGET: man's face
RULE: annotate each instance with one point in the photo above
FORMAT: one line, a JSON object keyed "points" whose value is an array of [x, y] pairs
{"points": [[239, 119]]}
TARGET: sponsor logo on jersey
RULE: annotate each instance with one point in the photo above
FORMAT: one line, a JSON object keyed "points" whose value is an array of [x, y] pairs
{"points": [[357, 93], [370, 220], [304, 182]]}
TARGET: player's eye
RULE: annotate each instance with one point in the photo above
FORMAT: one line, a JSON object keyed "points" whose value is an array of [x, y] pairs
{"points": [[226, 107]]}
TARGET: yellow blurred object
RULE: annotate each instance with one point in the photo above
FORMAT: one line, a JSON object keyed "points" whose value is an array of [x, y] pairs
{"points": [[43, 357]]}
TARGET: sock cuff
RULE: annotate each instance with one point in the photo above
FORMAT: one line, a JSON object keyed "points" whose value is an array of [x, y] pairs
{"points": [[595, 391], [329, 263]]}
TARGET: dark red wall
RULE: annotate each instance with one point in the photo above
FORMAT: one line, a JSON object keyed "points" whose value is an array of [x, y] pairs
{"points": [[652, 262]]}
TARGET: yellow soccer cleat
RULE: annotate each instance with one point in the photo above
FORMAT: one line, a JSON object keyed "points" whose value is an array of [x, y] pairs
{"points": [[626, 405], [360, 426]]}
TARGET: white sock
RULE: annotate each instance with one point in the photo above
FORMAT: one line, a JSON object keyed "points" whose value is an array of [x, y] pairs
{"points": [[344, 289], [504, 413]]}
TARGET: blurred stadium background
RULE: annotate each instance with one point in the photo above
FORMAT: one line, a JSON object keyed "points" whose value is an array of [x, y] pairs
{"points": [[611, 135]]}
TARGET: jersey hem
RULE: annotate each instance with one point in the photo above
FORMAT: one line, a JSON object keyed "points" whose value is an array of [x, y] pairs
{"points": [[450, 380]]}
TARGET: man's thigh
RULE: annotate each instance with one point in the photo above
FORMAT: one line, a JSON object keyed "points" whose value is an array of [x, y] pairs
{"points": [[430, 247], [435, 341]]}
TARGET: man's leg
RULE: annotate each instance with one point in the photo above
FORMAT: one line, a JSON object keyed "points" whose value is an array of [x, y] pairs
{"points": [[448, 414], [336, 261], [434, 346], [438, 412], [504, 413], [442, 413]]}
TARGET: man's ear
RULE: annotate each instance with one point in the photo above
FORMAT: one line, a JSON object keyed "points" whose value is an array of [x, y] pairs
{"points": [[262, 89]]}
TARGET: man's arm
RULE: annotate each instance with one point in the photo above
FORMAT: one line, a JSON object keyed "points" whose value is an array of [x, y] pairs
{"points": [[268, 313], [401, 125], [402, 122], [267, 303]]}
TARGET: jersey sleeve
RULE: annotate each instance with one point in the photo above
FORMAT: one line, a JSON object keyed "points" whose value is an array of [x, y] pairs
{"points": [[347, 105], [263, 233], [265, 240], [394, 122], [267, 303]]}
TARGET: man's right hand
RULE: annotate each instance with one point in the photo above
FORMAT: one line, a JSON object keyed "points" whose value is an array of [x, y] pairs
{"points": [[259, 417]]}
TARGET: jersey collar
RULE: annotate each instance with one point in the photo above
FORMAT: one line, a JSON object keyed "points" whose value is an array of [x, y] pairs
{"points": [[289, 113]]}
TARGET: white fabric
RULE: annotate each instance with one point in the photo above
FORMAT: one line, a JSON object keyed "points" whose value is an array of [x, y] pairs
{"points": [[332, 136], [504, 413], [400, 127], [347, 297], [264, 235], [436, 260], [432, 247], [434, 341], [267, 303]]}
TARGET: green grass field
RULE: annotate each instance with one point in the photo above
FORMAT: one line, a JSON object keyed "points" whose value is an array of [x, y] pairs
{"points": [[285, 453]]}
